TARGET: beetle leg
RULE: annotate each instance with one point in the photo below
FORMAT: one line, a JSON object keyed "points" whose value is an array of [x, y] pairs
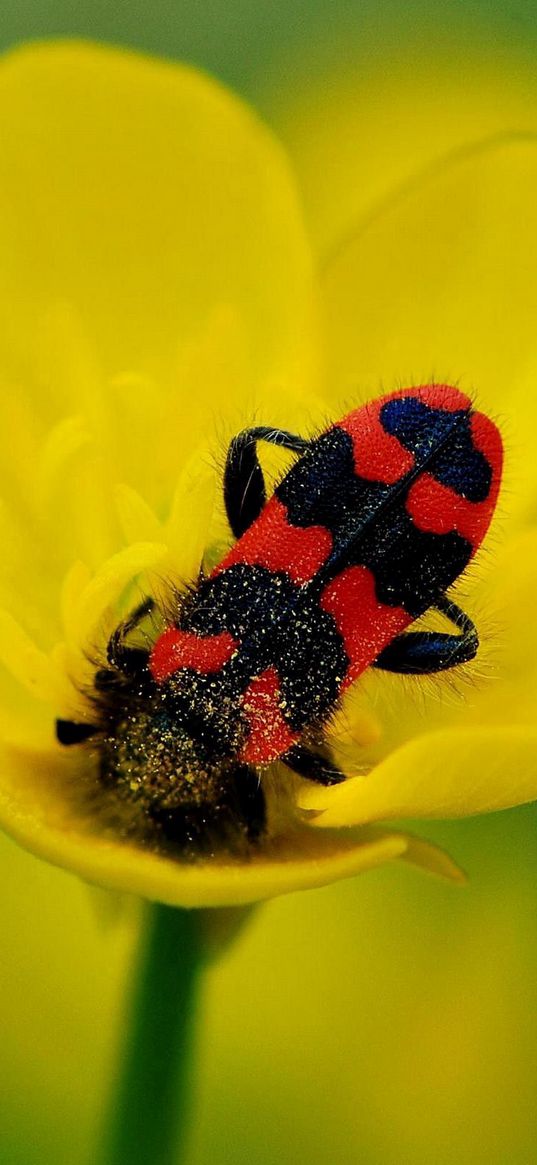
{"points": [[69, 732], [250, 800], [127, 660], [312, 765], [423, 652], [120, 657], [244, 485]]}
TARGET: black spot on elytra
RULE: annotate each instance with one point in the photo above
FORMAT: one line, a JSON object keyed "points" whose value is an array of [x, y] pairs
{"points": [[443, 438], [411, 568], [322, 489]]}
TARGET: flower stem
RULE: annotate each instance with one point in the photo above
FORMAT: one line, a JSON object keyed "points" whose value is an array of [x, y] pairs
{"points": [[147, 1124]]}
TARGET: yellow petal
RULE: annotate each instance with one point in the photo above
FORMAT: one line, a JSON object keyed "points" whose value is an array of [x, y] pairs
{"points": [[142, 195], [190, 515], [136, 518], [441, 285], [66, 362], [431, 858], [108, 582], [450, 773], [63, 442], [27, 664], [74, 584], [41, 806], [507, 689], [380, 126]]}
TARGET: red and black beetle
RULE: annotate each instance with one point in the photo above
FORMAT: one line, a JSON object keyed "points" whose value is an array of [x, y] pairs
{"points": [[373, 523]]}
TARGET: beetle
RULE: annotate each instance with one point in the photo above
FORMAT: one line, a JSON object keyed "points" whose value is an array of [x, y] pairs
{"points": [[375, 520]]}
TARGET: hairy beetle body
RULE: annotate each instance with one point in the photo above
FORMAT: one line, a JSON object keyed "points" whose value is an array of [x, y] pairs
{"points": [[376, 519]]}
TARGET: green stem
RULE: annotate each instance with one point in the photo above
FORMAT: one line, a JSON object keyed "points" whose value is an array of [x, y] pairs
{"points": [[147, 1125]]}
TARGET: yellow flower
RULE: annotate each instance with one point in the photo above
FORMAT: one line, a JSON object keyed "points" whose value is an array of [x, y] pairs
{"points": [[158, 292]]}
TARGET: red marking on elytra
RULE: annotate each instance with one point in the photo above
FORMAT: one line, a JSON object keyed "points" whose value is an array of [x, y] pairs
{"points": [[272, 542], [487, 439], [365, 625], [269, 734], [437, 509], [175, 649], [437, 396], [378, 456]]}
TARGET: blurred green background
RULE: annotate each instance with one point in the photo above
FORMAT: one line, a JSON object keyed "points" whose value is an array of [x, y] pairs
{"points": [[251, 45], [387, 1020]]}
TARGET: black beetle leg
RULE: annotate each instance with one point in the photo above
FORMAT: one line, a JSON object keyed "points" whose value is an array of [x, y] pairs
{"points": [[69, 732], [127, 660], [250, 800], [312, 765], [244, 485], [424, 652], [120, 657]]}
